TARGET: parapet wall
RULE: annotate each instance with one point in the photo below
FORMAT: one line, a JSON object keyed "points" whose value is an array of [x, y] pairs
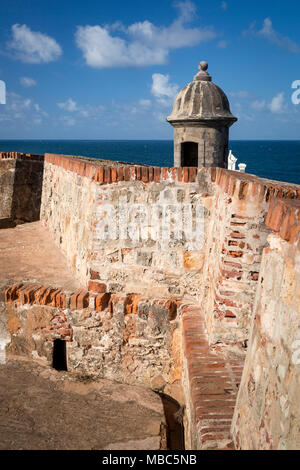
{"points": [[236, 236], [234, 254], [21, 178], [268, 402], [67, 211], [146, 252], [84, 203], [127, 339]]}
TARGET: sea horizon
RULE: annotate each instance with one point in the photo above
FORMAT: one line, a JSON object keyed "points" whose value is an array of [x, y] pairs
{"points": [[274, 159], [137, 140]]}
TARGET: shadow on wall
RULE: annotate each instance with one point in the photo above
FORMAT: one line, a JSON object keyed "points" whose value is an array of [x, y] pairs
{"points": [[21, 184]]}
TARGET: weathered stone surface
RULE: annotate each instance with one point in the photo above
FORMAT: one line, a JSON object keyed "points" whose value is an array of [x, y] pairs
{"points": [[69, 218], [20, 189], [7, 174], [269, 401], [45, 409], [128, 325], [86, 224], [235, 239], [131, 341]]}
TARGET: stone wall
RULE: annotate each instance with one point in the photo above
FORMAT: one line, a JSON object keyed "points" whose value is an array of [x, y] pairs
{"points": [[126, 323], [113, 220], [269, 402], [220, 269], [141, 239], [129, 339], [7, 175], [67, 211], [139, 256], [21, 178], [236, 236], [212, 143]]}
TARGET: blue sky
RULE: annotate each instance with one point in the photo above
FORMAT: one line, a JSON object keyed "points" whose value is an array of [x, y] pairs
{"points": [[78, 69]]}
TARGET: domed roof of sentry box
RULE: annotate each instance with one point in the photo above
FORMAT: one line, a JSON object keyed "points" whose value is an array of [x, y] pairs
{"points": [[201, 100]]}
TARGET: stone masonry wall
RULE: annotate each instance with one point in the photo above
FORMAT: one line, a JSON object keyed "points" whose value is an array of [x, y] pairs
{"points": [[21, 178], [128, 339], [145, 258], [7, 174], [87, 225], [236, 236], [220, 271], [212, 144], [126, 323], [67, 211], [267, 411]]}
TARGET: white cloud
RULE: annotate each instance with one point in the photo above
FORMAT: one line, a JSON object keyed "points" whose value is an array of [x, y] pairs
{"points": [[237, 107], [145, 103], [27, 82], [142, 43], [92, 112], [86, 111], [239, 112], [223, 44], [37, 121], [159, 116], [162, 89], [19, 108], [274, 37], [240, 94], [33, 47], [278, 103], [224, 6], [68, 121], [258, 105], [39, 110], [68, 105], [187, 10], [16, 102]]}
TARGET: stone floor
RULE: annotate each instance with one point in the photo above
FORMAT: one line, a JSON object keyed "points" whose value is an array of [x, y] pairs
{"points": [[42, 408], [28, 252]]}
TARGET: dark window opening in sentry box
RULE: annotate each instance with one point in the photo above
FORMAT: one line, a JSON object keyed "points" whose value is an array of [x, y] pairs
{"points": [[189, 154], [59, 355]]}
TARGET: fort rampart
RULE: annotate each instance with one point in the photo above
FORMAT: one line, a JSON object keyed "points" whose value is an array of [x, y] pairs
{"points": [[178, 310]]}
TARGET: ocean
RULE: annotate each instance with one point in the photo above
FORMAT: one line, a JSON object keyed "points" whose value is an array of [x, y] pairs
{"points": [[273, 159]]}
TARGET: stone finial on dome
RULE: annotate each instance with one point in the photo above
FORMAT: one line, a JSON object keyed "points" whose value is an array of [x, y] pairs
{"points": [[203, 75]]}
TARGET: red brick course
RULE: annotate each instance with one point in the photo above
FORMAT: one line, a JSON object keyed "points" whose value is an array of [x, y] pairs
{"points": [[213, 384], [244, 185], [284, 218], [35, 294], [234, 183], [114, 174], [21, 156]]}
